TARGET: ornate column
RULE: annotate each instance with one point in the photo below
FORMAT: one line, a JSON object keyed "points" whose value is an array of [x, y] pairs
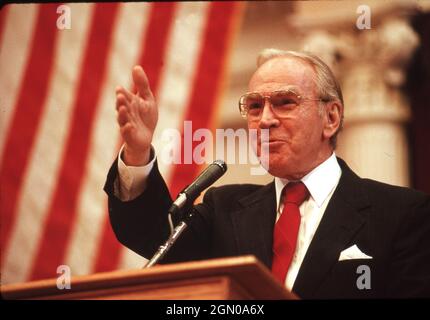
{"points": [[370, 65], [374, 141]]}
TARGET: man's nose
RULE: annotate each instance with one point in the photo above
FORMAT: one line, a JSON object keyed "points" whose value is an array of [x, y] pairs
{"points": [[268, 118]]}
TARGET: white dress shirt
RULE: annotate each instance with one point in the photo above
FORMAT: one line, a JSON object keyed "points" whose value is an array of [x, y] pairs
{"points": [[132, 180], [321, 183]]}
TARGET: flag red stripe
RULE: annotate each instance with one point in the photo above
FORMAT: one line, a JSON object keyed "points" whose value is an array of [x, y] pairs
{"points": [[158, 30], [63, 208], [206, 83], [27, 115], [108, 253], [155, 42], [3, 16]]}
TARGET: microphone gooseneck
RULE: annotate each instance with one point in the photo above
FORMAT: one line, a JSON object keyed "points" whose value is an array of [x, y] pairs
{"points": [[186, 198]]}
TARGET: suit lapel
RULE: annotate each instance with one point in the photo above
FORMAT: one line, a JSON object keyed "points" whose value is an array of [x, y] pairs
{"points": [[254, 222], [344, 216]]}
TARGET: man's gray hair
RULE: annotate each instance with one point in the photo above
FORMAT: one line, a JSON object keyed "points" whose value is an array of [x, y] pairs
{"points": [[327, 85]]}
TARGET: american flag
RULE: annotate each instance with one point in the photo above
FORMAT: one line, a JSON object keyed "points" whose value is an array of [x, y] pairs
{"points": [[58, 130]]}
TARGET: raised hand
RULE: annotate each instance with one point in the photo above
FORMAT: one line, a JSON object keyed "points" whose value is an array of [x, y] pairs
{"points": [[137, 118]]}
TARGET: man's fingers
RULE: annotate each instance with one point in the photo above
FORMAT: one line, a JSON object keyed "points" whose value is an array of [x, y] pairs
{"points": [[122, 115], [127, 94], [141, 82], [121, 101]]}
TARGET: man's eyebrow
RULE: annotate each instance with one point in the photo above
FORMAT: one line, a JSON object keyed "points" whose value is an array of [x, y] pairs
{"points": [[292, 88]]}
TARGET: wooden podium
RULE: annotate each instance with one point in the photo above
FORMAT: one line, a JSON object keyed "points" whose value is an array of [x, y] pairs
{"points": [[230, 278]]}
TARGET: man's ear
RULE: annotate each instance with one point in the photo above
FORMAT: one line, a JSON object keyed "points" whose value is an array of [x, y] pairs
{"points": [[333, 114]]}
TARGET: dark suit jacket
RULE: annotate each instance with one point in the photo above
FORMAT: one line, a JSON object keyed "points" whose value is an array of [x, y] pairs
{"points": [[389, 223]]}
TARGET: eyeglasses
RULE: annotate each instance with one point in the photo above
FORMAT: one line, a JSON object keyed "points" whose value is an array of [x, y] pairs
{"points": [[251, 104]]}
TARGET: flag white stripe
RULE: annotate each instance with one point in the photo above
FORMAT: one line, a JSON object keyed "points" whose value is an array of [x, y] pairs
{"points": [[176, 80], [124, 52], [45, 159], [14, 52]]}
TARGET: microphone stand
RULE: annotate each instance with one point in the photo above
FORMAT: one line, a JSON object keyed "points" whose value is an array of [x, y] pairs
{"points": [[174, 235]]}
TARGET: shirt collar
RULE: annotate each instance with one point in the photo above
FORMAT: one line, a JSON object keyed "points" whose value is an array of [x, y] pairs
{"points": [[320, 181]]}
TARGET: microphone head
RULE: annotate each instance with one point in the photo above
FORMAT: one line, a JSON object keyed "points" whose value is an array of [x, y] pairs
{"points": [[211, 174], [221, 164]]}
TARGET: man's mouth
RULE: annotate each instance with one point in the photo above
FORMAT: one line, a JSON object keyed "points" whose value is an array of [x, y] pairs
{"points": [[272, 141]]}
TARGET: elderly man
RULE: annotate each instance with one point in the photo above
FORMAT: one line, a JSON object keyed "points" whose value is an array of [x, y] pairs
{"points": [[313, 226]]}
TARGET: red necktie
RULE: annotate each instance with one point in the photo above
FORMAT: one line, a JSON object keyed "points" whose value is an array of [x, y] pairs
{"points": [[287, 229]]}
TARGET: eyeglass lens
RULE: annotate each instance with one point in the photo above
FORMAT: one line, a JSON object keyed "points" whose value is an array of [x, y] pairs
{"points": [[281, 101]]}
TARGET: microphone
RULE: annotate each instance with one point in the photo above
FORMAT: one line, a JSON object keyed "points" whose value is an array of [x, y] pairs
{"points": [[187, 196]]}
